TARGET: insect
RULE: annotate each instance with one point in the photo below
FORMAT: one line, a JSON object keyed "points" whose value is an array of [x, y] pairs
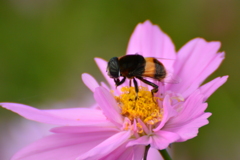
{"points": [[136, 67]]}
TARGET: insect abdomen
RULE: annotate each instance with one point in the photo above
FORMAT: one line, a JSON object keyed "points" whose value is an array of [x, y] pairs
{"points": [[154, 69], [160, 72]]}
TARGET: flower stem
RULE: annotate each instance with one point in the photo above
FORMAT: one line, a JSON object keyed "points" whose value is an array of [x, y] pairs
{"points": [[146, 152], [165, 154]]}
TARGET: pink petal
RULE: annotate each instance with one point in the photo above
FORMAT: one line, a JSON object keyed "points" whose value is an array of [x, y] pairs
{"points": [[73, 116], [189, 129], [154, 154], [121, 153], [168, 112], [190, 118], [108, 105], [75, 113], [102, 65], [149, 41], [62, 146], [162, 139], [84, 129], [105, 86], [109, 145], [138, 152], [144, 140], [159, 140], [209, 88], [192, 108], [89, 81], [198, 57]]}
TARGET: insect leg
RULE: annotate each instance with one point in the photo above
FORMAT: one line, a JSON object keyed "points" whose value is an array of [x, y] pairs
{"points": [[118, 82], [130, 82], [136, 87], [155, 87]]}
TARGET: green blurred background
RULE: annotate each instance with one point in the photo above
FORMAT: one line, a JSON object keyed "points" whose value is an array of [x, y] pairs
{"points": [[45, 46]]}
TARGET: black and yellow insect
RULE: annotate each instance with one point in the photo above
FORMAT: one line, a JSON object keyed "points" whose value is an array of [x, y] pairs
{"points": [[136, 67]]}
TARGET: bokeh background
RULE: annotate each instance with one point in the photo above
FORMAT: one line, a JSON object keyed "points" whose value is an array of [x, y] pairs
{"points": [[45, 46]]}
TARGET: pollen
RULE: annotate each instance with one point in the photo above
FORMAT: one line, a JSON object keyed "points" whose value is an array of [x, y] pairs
{"points": [[139, 106]]}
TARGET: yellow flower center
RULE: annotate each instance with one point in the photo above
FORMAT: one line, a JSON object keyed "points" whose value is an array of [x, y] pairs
{"points": [[141, 106]]}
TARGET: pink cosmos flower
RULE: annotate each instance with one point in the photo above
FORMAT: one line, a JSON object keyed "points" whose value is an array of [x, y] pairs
{"points": [[119, 127]]}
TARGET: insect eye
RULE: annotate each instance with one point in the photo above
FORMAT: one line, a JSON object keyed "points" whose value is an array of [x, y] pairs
{"points": [[113, 68]]}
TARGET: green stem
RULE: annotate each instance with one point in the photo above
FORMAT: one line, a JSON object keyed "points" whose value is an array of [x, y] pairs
{"points": [[165, 154], [146, 152]]}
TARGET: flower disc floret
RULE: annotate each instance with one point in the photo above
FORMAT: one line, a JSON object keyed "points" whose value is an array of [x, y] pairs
{"points": [[139, 106]]}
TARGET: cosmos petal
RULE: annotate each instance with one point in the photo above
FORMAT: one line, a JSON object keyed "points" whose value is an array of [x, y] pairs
{"points": [[108, 105], [109, 145], [72, 116], [105, 85], [190, 118], [89, 81], [191, 109], [144, 140], [209, 88], [61, 146], [159, 140], [189, 129], [162, 139], [121, 153], [86, 128], [138, 152], [154, 154], [198, 57], [168, 112], [150, 41]]}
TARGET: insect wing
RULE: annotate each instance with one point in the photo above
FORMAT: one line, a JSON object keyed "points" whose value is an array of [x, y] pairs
{"points": [[171, 78]]}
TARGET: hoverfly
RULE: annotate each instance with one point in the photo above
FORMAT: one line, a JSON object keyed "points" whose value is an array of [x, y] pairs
{"points": [[136, 67]]}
